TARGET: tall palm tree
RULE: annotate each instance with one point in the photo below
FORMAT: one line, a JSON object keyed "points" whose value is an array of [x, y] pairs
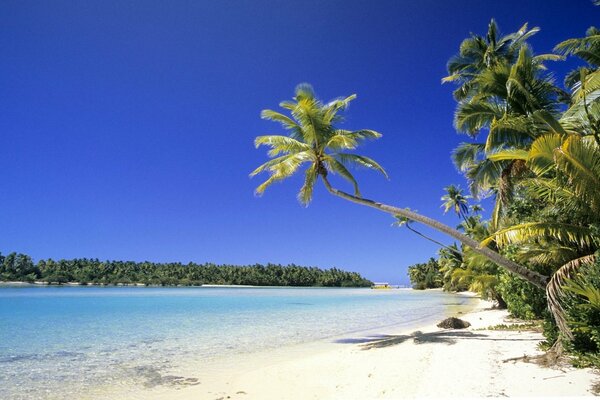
{"points": [[456, 200], [506, 100], [314, 139], [478, 53]]}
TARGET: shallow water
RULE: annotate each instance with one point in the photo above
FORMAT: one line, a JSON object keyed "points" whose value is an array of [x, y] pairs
{"points": [[64, 342]]}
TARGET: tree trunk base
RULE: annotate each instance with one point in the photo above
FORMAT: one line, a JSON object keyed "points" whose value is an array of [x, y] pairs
{"points": [[553, 357]]}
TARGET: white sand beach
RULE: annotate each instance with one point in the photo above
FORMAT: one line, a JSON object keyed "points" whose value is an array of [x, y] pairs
{"points": [[430, 363]]}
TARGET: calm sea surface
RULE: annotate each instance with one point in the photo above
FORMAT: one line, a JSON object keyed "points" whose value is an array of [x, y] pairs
{"points": [[64, 342]]}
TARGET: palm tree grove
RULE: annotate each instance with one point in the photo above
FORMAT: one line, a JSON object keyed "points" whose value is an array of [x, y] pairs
{"points": [[531, 149]]}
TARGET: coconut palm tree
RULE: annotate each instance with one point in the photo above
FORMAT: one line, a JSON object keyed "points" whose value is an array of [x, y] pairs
{"points": [[478, 53], [455, 200], [507, 100], [315, 141]]}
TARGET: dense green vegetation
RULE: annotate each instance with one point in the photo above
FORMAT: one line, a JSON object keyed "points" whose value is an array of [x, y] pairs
{"points": [[533, 147], [425, 275], [20, 267]]}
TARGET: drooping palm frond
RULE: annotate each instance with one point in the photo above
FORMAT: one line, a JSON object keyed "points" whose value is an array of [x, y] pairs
{"points": [[589, 82], [280, 144], [473, 116], [337, 167], [586, 48], [484, 177], [282, 168], [466, 155], [566, 233], [541, 153], [361, 161], [514, 131], [348, 140], [555, 290], [306, 191], [578, 158], [278, 164]]}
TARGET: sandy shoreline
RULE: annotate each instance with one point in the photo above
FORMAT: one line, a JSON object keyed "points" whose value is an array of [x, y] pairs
{"points": [[432, 363]]}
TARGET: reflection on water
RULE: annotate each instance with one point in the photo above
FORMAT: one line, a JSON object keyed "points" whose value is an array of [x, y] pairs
{"points": [[60, 342]]}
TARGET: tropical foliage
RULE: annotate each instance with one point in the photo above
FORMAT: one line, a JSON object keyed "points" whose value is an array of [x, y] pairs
{"points": [[533, 147], [425, 275], [20, 267], [541, 161], [315, 141]]}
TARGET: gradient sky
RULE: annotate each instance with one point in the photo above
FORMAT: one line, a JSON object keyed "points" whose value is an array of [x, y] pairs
{"points": [[127, 127]]}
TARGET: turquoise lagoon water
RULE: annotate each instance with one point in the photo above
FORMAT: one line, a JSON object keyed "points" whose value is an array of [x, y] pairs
{"points": [[62, 342]]}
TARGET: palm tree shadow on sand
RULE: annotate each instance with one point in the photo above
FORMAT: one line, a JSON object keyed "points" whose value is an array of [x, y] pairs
{"points": [[418, 337]]}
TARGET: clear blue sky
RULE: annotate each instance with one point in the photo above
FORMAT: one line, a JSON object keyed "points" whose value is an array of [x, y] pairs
{"points": [[126, 127]]}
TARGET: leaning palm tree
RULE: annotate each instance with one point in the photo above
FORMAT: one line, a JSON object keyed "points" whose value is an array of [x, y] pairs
{"points": [[316, 142]]}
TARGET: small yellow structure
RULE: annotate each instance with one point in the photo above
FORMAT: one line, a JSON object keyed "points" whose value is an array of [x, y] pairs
{"points": [[381, 285]]}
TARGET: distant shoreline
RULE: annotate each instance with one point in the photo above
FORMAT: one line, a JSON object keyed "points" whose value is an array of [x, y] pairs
{"points": [[139, 284]]}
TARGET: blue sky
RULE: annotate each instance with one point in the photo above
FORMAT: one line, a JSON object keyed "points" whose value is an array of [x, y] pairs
{"points": [[126, 128]]}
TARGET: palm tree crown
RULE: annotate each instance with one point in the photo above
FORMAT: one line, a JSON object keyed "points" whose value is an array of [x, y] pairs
{"points": [[454, 199], [312, 139]]}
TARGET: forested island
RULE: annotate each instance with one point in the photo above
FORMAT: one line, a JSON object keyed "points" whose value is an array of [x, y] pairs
{"points": [[20, 267]]}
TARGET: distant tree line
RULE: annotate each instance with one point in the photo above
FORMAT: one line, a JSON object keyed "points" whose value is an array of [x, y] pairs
{"points": [[20, 267], [425, 275]]}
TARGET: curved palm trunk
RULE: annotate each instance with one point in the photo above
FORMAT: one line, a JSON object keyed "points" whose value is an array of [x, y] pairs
{"points": [[432, 240], [533, 277]]}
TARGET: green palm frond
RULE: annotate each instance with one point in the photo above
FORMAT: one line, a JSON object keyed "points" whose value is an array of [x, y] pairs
{"points": [[271, 165], [471, 117], [508, 154], [280, 144], [484, 176], [566, 233], [589, 83], [550, 124], [509, 131], [306, 191], [334, 106], [357, 160], [466, 155], [283, 168], [550, 191], [585, 290], [541, 153], [341, 141], [578, 158], [285, 121], [337, 167], [561, 281]]}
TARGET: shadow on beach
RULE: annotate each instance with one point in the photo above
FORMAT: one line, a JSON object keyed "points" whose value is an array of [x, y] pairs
{"points": [[446, 337]]}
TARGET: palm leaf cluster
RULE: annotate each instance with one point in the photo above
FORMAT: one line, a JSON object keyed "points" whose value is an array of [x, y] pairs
{"points": [[502, 86], [314, 141], [541, 146]]}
